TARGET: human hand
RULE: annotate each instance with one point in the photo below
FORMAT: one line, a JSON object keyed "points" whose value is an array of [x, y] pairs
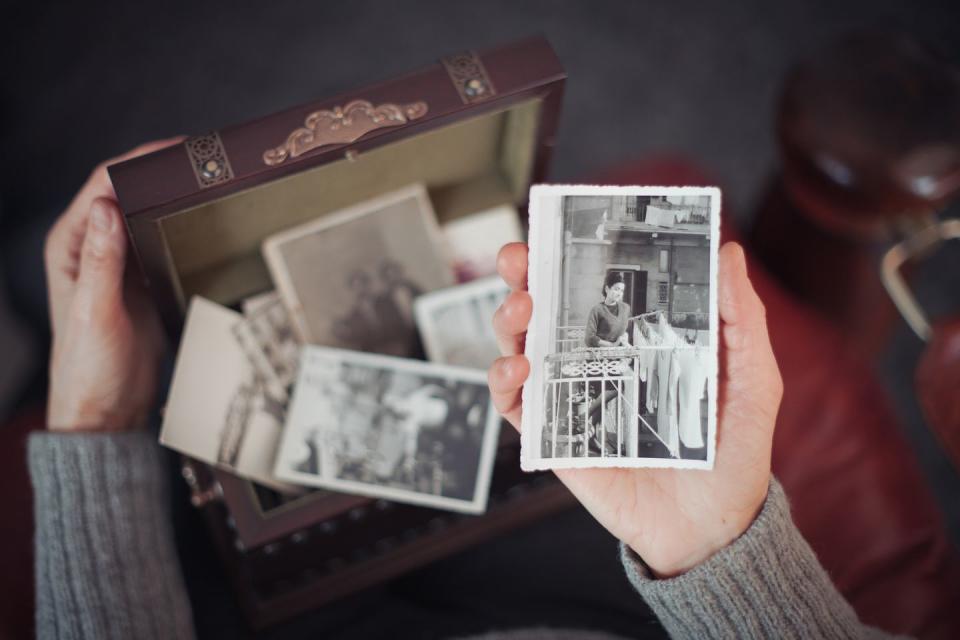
{"points": [[673, 518], [107, 338]]}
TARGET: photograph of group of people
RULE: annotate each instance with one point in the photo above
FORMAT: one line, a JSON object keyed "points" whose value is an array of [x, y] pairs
{"points": [[623, 349]]}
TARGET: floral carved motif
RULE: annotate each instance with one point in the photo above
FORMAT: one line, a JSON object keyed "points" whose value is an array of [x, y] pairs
{"points": [[342, 125]]}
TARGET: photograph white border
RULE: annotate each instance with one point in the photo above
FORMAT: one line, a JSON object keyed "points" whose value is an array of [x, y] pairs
{"points": [[273, 253], [424, 307], [545, 224], [488, 450]]}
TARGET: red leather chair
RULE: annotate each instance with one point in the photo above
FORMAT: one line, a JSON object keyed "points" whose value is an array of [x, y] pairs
{"points": [[855, 487]]}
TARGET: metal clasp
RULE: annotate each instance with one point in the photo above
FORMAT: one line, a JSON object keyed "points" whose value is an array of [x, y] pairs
{"points": [[896, 286]]}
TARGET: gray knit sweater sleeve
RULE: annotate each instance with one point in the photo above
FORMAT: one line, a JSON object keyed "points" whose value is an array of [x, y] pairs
{"points": [[766, 584], [106, 566]]}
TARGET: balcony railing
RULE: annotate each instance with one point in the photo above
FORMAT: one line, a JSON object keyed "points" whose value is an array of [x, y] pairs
{"points": [[570, 338], [592, 399]]}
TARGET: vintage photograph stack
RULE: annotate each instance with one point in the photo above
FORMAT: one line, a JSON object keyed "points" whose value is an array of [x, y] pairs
{"points": [[364, 369]]}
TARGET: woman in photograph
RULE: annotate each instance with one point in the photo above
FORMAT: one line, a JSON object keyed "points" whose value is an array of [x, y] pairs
{"points": [[606, 327], [607, 322]]}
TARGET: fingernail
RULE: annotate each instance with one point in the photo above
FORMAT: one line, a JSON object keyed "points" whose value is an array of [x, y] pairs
{"points": [[101, 218]]}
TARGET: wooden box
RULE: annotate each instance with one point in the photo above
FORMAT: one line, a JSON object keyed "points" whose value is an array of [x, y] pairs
{"points": [[476, 129]]}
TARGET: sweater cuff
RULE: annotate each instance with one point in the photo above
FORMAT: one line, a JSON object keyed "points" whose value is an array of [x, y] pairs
{"points": [[105, 562], [766, 583]]}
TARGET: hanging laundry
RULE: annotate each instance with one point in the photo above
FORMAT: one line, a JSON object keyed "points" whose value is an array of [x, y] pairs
{"points": [[601, 232], [660, 217], [668, 376], [648, 363], [653, 387], [640, 342], [694, 371], [646, 355]]}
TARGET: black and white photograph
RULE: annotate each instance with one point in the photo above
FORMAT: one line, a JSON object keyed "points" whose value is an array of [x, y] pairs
{"points": [[268, 339], [392, 428], [622, 343], [349, 278], [219, 409], [456, 324]]}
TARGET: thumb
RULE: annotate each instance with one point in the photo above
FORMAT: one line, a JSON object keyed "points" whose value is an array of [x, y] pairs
{"points": [[753, 383], [99, 292]]}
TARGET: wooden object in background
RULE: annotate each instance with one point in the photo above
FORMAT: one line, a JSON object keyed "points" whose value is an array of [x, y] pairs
{"points": [[870, 145]]}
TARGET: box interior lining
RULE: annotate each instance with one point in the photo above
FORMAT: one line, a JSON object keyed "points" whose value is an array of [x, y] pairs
{"points": [[214, 248]]}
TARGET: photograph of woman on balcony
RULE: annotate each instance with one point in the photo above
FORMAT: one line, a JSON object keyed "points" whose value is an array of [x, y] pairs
{"points": [[627, 374]]}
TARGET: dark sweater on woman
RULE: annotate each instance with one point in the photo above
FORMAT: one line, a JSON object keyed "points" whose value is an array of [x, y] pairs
{"points": [[606, 322]]}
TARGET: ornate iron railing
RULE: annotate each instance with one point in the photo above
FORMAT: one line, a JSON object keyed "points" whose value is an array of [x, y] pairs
{"points": [[593, 396]]}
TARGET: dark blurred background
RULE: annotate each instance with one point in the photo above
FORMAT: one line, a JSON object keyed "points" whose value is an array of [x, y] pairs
{"points": [[85, 81]]}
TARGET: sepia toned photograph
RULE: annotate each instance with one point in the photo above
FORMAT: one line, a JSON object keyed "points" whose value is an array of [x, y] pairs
{"points": [[349, 279], [218, 409], [456, 324], [399, 429], [623, 339]]}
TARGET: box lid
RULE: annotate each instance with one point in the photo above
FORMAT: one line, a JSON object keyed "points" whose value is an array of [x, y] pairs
{"points": [[219, 166]]}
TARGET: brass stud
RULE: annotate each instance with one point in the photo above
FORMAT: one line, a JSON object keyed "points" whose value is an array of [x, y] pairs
{"points": [[212, 169], [475, 87]]}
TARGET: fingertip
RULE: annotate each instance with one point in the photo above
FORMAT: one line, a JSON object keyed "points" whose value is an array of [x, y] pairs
{"points": [[520, 367], [103, 222], [99, 184], [508, 373], [510, 322], [145, 148], [103, 256], [736, 294], [494, 375], [513, 316], [732, 257], [513, 249], [512, 264]]}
